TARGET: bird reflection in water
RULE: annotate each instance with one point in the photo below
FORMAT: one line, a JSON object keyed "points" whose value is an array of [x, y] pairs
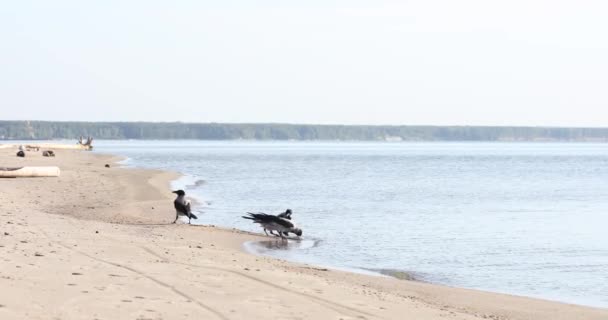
{"points": [[275, 244], [291, 244]]}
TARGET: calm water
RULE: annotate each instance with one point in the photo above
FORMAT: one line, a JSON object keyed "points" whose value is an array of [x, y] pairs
{"points": [[527, 219]]}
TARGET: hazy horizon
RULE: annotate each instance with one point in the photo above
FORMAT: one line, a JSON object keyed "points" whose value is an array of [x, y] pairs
{"points": [[469, 63], [311, 124]]}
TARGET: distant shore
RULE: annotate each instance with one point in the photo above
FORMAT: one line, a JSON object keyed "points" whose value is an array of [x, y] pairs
{"points": [[97, 242], [42, 130]]}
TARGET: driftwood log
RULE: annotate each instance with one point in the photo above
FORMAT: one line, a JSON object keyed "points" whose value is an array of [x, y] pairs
{"points": [[59, 146], [24, 172], [83, 144]]}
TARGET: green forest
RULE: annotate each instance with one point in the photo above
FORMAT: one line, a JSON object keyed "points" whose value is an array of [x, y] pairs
{"points": [[47, 130]]}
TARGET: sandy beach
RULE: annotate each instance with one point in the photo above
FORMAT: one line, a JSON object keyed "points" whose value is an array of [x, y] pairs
{"points": [[98, 243]]}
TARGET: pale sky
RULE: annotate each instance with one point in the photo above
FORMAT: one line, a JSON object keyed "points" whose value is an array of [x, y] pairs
{"points": [[436, 62]]}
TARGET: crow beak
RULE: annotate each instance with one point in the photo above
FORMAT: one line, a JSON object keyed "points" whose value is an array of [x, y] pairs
{"points": [[174, 192]]}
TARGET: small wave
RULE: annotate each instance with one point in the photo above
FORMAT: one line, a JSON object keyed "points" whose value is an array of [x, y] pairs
{"points": [[196, 184], [126, 162], [397, 274]]}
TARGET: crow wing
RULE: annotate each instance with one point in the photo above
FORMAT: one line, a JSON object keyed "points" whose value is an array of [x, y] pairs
{"points": [[181, 207]]}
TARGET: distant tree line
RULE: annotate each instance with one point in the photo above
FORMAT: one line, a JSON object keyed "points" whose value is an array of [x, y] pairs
{"points": [[46, 130]]}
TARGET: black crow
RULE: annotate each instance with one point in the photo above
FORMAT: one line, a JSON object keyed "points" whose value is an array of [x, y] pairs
{"points": [[182, 207], [272, 223]]}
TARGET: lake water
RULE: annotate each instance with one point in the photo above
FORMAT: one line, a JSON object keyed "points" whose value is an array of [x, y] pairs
{"points": [[523, 218]]}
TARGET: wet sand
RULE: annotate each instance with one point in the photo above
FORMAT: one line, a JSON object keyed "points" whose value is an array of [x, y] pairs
{"points": [[97, 243]]}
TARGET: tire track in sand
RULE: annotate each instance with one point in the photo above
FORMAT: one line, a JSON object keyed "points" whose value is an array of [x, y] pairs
{"points": [[143, 274], [340, 308]]}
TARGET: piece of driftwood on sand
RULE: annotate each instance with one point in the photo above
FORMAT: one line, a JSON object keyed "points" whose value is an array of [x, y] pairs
{"points": [[83, 144], [29, 172]]}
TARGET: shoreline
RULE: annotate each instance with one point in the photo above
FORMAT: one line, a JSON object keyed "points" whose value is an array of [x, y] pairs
{"points": [[401, 275], [96, 242], [249, 247]]}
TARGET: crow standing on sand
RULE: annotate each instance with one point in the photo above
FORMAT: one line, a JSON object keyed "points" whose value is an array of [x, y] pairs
{"points": [[182, 207]]}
